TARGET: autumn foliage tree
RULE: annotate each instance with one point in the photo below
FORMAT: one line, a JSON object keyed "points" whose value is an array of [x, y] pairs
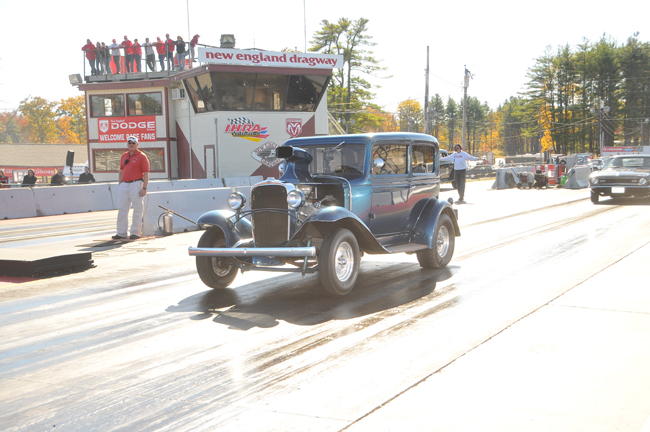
{"points": [[411, 116], [38, 120]]}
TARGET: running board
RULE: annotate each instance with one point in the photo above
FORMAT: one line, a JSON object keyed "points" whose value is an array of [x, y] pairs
{"points": [[406, 248]]}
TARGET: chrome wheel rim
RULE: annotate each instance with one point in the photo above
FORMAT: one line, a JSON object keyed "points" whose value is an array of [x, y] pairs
{"points": [[442, 242], [220, 266], [344, 261]]}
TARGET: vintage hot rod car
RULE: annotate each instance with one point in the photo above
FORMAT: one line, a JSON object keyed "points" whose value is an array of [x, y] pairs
{"points": [[338, 197]]}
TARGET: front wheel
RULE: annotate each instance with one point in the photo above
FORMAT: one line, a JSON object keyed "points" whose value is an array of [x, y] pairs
{"points": [[444, 240], [215, 272], [339, 262], [594, 197]]}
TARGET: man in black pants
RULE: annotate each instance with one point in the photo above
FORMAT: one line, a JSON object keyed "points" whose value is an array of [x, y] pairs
{"points": [[460, 158]]}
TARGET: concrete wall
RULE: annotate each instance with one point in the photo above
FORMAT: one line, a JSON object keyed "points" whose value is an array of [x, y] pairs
{"points": [[17, 203], [189, 203], [177, 194]]}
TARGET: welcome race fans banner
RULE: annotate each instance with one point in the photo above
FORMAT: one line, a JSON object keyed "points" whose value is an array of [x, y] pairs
{"points": [[268, 58], [116, 129]]}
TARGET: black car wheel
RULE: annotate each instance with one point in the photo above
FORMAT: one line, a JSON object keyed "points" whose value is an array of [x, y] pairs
{"points": [[339, 262], [594, 197], [444, 241], [215, 272]]}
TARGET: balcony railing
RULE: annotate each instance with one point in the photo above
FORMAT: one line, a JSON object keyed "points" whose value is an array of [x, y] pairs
{"points": [[133, 63]]}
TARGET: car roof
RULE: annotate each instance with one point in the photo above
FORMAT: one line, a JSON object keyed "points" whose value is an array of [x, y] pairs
{"points": [[361, 138]]}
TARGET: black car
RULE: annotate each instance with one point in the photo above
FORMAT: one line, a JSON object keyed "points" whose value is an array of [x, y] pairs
{"points": [[622, 176], [338, 198], [446, 169]]}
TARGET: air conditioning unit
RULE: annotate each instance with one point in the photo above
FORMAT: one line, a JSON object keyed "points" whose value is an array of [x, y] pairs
{"points": [[178, 94]]}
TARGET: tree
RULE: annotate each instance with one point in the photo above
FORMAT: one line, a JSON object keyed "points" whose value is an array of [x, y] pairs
{"points": [[452, 121], [72, 120], [436, 115], [40, 115], [348, 92], [410, 115]]}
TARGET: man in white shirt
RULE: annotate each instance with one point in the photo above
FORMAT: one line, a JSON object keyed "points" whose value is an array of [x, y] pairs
{"points": [[115, 52], [460, 158]]}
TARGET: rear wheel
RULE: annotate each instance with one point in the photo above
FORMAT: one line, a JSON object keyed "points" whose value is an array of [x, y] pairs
{"points": [[594, 197], [339, 262], [215, 272], [444, 240]]}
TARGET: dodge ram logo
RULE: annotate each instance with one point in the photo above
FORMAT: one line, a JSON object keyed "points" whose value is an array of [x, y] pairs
{"points": [[294, 127]]}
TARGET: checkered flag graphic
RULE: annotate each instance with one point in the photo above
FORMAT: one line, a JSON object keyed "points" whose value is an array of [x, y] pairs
{"points": [[240, 120]]}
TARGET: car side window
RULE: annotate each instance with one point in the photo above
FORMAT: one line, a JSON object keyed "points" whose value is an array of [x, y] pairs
{"points": [[395, 157], [423, 159]]}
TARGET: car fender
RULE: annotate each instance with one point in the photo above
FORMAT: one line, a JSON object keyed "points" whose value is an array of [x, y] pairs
{"points": [[233, 230], [426, 224], [328, 219]]}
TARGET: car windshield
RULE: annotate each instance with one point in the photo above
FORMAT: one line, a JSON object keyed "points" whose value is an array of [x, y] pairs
{"points": [[629, 162], [340, 159]]}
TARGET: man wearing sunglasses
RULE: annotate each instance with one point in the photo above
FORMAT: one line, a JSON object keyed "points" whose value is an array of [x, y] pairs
{"points": [[134, 179]]}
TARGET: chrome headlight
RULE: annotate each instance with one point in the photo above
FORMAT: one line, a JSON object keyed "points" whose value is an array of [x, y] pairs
{"points": [[236, 200], [593, 181], [643, 181], [295, 198]]}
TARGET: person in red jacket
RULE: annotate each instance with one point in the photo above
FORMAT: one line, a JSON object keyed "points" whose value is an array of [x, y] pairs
{"points": [[91, 55], [169, 51], [161, 49], [137, 56], [193, 42], [128, 53]]}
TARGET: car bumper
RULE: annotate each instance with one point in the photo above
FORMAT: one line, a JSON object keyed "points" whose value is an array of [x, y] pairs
{"points": [[298, 252], [621, 190]]}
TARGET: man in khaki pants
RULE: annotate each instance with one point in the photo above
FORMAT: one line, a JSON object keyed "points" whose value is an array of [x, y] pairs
{"points": [[134, 179]]}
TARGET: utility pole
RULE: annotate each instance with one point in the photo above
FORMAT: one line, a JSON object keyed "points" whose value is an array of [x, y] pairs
{"points": [[426, 97], [600, 108], [468, 75]]}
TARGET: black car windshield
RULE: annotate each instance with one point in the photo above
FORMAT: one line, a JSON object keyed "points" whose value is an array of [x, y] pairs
{"points": [[341, 159], [629, 162]]}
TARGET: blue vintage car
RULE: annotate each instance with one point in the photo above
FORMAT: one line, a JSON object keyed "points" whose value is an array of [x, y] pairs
{"points": [[338, 198]]}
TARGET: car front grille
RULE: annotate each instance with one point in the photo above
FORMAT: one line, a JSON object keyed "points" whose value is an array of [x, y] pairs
{"points": [[270, 229], [618, 181]]}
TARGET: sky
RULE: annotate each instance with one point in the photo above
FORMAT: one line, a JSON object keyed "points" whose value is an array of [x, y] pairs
{"points": [[498, 41]]}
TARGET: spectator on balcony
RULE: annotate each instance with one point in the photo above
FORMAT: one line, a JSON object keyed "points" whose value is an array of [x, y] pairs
{"points": [[169, 52], [99, 60], [30, 179], [91, 55], [180, 52], [137, 56], [107, 59], [128, 54], [115, 52], [193, 42], [161, 48], [150, 55]]}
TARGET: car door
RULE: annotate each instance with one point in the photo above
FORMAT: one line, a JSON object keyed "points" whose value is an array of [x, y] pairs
{"points": [[390, 189], [424, 181]]}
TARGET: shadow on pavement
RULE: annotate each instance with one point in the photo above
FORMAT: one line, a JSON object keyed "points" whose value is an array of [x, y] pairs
{"points": [[302, 301]]}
